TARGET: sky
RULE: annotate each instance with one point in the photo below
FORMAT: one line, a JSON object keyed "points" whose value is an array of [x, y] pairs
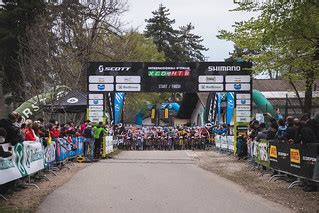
{"points": [[208, 17]]}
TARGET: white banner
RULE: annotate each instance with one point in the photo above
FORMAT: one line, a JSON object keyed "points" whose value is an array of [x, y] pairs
{"points": [[27, 158]]}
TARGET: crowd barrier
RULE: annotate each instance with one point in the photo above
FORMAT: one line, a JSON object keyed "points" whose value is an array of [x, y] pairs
{"points": [[225, 143], [296, 159], [293, 159], [300, 161], [107, 145], [27, 158], [31, 157], [260, 151], [67, 148]]}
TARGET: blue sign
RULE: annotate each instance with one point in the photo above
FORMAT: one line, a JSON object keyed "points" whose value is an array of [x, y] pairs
{"points": [[237, 86], [118, 102], [230, 107], [101, 87]]}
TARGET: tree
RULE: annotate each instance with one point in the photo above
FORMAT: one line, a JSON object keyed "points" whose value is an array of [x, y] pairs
{"points": [[284, 37], [160, 29], [15, 17], [190, 44]]}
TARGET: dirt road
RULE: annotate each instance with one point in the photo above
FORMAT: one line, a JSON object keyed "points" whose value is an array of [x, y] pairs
{"points": [[153, 181]]}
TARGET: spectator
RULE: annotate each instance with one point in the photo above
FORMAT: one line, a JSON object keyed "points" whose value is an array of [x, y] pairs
{"points": [[29, 133], [99, 132], [88, 142], [306, 135], [13, 132], [314, 125], [3, 134], [290, 130], [83, 125], [55, 132], [279, 115], [293, 132], [281, 129]]}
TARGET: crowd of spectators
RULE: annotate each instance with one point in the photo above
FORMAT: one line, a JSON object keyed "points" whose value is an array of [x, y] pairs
{"points": [[14, 129], [291, 130]]}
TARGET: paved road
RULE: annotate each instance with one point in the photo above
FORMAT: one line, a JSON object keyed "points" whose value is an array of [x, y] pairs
{"points": [[152, 181]]}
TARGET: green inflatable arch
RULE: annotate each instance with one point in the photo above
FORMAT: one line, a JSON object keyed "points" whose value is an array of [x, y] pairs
{"points": [[263, 104]]}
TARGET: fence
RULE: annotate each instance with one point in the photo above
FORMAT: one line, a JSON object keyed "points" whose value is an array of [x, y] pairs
{"points": [[31, 157], [225, 143], [300, 161]]}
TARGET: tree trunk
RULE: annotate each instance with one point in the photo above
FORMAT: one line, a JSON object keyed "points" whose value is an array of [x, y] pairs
{"points": [[2, 103], [308, 92], [297, 93]]}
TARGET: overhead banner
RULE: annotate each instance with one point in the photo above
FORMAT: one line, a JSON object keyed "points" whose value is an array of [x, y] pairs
{"points": [[168, 76], [118, 102], [230, 107], [27, 158]]}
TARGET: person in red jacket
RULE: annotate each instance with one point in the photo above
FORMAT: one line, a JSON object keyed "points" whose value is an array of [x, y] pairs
{"points": [[29, 133], [55, 132]]}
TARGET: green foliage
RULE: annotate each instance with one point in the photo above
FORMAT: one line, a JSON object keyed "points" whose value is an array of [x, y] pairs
{"points": [[191, 47], [284, 38], [15, 17], [177, 45]]}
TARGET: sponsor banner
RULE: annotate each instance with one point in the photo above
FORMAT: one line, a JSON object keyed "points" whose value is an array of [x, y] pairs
{"points": [[219, 103], [96, 113], [101, 87], [242, 119], [224, 142], [243, 102], [96, 108], [210, 79], [96, 119], [96, 97], [261, 152], [243, 107], [128, 87], [101, 79], [49, 153], [210, 87], [69, 148], [96, 102], [27, 158], [118, 103], [237, 87], [238, 79], [243, 96], [230, 107], [128, 79], [107, 145], [295, 159], [273, 152], [230, 142], [243, 113]]}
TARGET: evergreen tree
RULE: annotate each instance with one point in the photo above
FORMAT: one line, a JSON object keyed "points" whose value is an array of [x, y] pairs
{"points": [[160, 29], [15, 17], [190, 44]]}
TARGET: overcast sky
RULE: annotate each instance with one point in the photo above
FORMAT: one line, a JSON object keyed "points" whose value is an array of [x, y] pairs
{"points": [[208, 17]]}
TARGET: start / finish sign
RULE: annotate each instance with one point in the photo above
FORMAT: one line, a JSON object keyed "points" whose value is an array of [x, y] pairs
{"points": [[169, 77]]}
